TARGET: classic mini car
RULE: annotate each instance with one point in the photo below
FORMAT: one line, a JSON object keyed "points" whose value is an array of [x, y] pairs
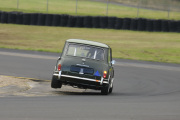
{"points": [[85, 64]]}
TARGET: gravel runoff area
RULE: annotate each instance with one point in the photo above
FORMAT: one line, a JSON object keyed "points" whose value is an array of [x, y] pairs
{"points": [[12, 85], [16, 86], [9, 81]]}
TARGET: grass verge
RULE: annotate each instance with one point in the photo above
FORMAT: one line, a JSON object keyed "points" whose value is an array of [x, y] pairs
{"points": [[149, 46]]}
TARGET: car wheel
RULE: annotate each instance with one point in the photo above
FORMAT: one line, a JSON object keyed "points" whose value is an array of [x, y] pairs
{"points": [[105, 90], [111, 89], [55, 83]]}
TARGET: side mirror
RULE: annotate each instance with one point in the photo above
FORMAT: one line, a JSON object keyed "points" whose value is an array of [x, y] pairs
{"points": [[59, 58], [113, 62]]}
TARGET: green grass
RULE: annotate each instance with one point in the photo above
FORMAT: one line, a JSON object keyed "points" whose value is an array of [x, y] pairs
{"points": [[172, 5], [85, 7], [149, 46]]}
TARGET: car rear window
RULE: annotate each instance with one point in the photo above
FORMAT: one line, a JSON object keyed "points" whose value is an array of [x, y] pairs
{"points": [[85, 51]]}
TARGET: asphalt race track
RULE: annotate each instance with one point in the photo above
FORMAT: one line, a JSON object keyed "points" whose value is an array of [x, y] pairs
{"points": [[142, 91]]}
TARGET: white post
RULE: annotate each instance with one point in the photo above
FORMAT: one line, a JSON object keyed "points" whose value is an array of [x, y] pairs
{"points": [[138, 8], [76, 6], [169, 8], [47, 5], [107, 7], [17, 4]]}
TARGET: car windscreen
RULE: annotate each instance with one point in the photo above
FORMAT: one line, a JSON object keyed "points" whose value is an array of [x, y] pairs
{"points": [[85, 51]]}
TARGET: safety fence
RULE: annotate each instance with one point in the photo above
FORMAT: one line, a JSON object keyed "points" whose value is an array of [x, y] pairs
{"points": [[104, 22], [151, 9]]}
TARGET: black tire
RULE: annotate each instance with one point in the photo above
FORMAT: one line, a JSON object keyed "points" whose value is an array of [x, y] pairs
{"points": [[172, 26], [157, 25], [105, 90], [165, 26], [48, 20], [141, 26], [88, 22], [79, 21], [126, 23], [149, 25], [41, 19], [19, 18], [34, 19], [71, 21], [111, 89], [64, 20], [119, 23], [133, 25], [4, 17], [55, 83], [178, 26], [111, 85], [0, 16], [96, 22], [12, 17], [103, 22], [56, 20], [111, 22], [26, 18]]}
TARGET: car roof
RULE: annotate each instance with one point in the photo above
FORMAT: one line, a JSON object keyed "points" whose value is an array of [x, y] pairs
{"points": [[88, 42]]}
